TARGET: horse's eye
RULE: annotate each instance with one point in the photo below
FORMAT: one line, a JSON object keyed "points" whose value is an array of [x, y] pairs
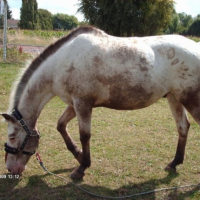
{"points": [[12, 139]]}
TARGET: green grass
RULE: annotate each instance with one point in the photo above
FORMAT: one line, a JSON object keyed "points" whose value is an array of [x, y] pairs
{"points": [[130, 150], [196, 39], [14, 56], [32, 37]]}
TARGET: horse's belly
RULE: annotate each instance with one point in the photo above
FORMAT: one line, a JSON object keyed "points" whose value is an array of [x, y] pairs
{"points": [[130, 98]]}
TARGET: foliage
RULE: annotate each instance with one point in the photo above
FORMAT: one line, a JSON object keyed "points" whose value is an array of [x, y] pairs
{"points": [[194, 29], [45, 19], [83, 23], [14, 55], [196, 39], [127, 18], [34, 18], [33, 37], [41, 37], [186, 20], [174, 24], [180, 23], [9, 15], [29, 15], [64, 21], [9, 12], [44, 34]]}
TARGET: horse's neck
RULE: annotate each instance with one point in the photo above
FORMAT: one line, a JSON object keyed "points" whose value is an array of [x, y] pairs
{"points": [[35, 96]]}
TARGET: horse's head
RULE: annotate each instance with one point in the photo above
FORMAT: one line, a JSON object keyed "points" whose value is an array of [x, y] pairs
{"points": [[21, 143]]}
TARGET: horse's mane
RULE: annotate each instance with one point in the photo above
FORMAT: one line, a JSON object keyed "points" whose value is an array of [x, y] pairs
{"points": [[28, 72]]}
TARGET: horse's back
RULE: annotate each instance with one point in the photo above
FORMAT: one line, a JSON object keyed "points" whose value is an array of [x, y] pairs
{"points": [[108, 70], [126, 73]]}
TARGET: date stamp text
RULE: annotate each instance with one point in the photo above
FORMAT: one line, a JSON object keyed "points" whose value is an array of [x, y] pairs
{"points": [[9, 176]]}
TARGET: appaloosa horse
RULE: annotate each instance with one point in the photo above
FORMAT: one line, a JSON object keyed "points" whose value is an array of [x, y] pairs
{"points": [[87, 69]]}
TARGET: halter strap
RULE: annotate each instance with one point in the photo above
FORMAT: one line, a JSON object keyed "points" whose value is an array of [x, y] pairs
{"points": [[12, 150]]}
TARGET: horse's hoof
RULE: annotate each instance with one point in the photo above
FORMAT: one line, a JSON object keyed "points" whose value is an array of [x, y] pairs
{"points": [[168, 168], [77, 174]]}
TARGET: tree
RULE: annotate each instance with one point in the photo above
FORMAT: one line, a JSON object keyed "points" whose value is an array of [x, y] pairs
{"points": [[174, 24], [9, 15], [130, 17], [180, 23], [45, 19], [29, 15], [9, 12], [194, 29], [186, 20], [64, 21]]}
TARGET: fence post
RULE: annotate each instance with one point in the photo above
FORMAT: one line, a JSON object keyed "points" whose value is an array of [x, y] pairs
{"points": [[5, 31]]}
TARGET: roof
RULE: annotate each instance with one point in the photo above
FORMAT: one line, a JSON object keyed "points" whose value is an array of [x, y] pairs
{"points": [[12, 23]]}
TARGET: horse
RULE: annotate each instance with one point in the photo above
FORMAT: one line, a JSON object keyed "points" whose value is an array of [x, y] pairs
{"points": [[87, 69]]}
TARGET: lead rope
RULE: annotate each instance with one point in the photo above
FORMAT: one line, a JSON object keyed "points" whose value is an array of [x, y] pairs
{"points": [[107, 197]]}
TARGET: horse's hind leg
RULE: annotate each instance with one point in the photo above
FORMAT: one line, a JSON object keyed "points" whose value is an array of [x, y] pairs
{"points": [[182, 123], [68, 115]]}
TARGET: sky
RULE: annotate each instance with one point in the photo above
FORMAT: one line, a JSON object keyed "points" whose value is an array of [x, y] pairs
{"points": [[190, 7], [54, 6]]}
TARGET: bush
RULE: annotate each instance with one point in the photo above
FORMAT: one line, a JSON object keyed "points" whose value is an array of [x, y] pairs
{"points": [[194, 29]]}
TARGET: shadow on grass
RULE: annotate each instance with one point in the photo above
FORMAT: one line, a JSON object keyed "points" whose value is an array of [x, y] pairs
{"points": [[37, 188]]}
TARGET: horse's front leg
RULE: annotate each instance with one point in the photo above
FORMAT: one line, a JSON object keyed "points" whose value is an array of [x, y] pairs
{"points": [[182, 123], [83, 110], [68, 115]]}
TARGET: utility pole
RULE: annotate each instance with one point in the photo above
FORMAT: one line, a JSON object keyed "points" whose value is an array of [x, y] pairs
{"points": [[0, 7], [5, 31]]}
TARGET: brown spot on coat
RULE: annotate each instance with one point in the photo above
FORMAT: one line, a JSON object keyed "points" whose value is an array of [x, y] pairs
{"points": [[143, 68], [124, 94], [143, 64], [190, 98], [174, 62], [124, 53], [171, 53], [97, 61], [143, 60], [161, 51]]}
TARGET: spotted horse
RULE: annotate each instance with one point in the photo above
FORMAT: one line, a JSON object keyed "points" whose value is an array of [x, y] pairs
{"points": [[89, 68]]}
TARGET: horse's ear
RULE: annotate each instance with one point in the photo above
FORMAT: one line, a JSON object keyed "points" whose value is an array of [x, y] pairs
{"points": [[8, 118]]}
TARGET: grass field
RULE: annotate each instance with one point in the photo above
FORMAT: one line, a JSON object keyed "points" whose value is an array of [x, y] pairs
{"points": [[42, 37], [130, 150], [196, 39], [30, 37]]}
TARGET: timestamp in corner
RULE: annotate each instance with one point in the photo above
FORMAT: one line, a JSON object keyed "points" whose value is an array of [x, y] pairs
{"points": [[9, 176]]}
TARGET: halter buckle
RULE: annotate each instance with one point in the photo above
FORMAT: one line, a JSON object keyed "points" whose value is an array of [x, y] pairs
{"points": [[22, 122]]}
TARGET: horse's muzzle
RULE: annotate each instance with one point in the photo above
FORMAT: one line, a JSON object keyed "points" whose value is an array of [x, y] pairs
{"points": [[16, 170]]}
